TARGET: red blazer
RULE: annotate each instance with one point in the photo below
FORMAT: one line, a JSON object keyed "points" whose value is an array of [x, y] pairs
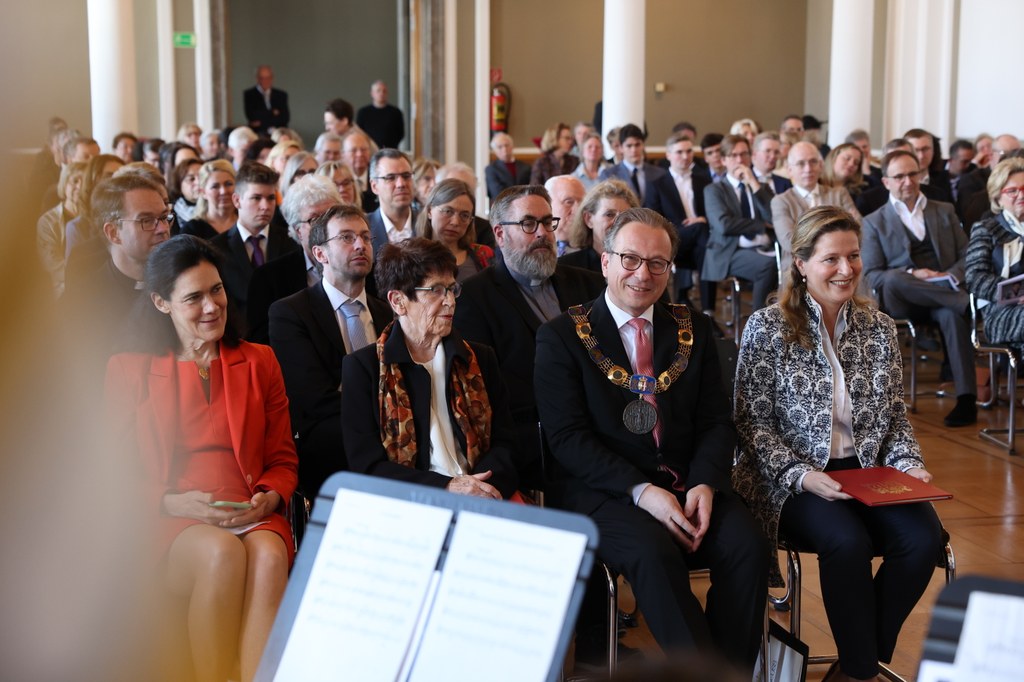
{"points": [[141, 395]]}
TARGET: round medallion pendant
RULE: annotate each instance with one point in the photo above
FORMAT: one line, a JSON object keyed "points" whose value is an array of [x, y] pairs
{"points": [[639, 417]]}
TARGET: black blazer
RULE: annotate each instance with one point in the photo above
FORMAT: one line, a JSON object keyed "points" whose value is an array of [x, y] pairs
{"points": [[498, 178], [305, 336], [260, 118], [493, 311], [360, 403], [581, 411], [273, 281], [238, 267], [665, 199], [585, 258]]}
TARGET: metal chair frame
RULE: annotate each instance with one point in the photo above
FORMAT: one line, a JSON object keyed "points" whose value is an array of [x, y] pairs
{"points": [[990, 434]]}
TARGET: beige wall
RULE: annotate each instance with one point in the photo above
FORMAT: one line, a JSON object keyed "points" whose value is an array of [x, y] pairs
{"points": [[720, 59]]}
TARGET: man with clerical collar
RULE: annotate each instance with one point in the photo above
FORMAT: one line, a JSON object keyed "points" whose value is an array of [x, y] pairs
{"points": [[632, 402], [913, 253], [503, 305], [391, 181], [805, 167], [312, 330]]}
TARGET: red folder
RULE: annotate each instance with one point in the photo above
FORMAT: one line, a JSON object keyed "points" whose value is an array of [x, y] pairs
{"points": [[880, 486]]}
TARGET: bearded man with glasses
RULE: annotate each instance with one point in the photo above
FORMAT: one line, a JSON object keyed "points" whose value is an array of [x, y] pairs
{"points": [[503, 305]]}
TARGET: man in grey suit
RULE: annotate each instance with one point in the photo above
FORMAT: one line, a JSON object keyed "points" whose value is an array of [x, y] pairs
{"points": [[804, 165], [633, 170], [739, 215], [913, 254]]}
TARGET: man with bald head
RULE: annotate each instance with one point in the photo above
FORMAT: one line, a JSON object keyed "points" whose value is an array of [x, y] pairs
{"points": [[805, 165], [382, 121], [566, 194], [505, 171]]}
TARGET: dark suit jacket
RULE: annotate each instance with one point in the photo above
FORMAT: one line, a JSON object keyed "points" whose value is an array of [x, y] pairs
{"points": [[238, 267], [498, 178], [581, 411], [620, 172], [939, 180], [727, 225], [493, 311], [260, 118], [585, 258], [379, 233], [360, 403], [970, 185], [665, 199], [780, 184], [886, 246], [273, 281], [304, 334]]}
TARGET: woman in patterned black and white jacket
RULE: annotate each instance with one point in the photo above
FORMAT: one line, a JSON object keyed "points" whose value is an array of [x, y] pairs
{"points": [[819, 388]]}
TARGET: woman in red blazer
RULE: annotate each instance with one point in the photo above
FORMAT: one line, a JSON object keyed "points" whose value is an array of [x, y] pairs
{"points": [[208, 416]]}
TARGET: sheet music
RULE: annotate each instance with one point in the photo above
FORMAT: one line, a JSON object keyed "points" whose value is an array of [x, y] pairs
{"points": [[365, 590], [992, 641], [504, 591]]}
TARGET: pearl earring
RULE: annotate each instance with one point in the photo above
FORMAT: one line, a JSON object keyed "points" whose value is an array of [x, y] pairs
{"points": [[804, 280]]}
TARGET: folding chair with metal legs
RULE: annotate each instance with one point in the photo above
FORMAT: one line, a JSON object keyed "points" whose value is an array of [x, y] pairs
{"points": [[988, 433]]}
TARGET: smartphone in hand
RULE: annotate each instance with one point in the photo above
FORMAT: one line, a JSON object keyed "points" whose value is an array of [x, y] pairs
{"points": [[225, 504]]}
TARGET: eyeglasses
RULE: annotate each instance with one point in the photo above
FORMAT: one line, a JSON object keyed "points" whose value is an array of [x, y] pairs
{"points": [[632, 262], [351, 237], [449, 213], [392, 178], [807, 163], [1013, 192], [738, 155], [530, 225], [348, 182], [440, 291], [149, 224], [913, 175]]}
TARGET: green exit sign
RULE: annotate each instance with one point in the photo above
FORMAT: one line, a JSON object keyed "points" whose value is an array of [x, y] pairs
{"points": [[183, 39]]}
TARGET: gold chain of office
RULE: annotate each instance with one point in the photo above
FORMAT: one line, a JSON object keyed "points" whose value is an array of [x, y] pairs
{"points": [[637, 383]]}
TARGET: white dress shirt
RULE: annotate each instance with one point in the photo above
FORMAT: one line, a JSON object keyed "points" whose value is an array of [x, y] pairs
{"points": [[395, 234], [244, 232], [337, 297], [913, 220], [445, 454], [684, 185]]}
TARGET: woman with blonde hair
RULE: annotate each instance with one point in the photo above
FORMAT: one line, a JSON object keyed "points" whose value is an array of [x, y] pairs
{"points": [[52, 225], [844, 168], [344, 179], [556, 159], [215, 208], [595, 214]]}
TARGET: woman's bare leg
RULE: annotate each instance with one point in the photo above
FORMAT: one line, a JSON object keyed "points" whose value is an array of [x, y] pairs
{"points": [[265, 582], [208, 564]]}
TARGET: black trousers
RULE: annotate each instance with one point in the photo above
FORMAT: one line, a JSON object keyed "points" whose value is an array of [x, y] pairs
{"points": [[636, 545], [865, 612]]}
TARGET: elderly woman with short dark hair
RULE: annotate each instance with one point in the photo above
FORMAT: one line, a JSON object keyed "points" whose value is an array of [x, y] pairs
{"points": [[421, 404]]}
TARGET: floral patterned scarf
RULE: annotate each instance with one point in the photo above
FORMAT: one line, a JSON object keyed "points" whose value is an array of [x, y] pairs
{"points": [[470, 405]]}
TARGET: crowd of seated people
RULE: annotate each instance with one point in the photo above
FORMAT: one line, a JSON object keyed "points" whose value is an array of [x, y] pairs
{"points": [[412, 334]]}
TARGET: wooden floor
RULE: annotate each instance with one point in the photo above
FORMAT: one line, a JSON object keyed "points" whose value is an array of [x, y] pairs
{"points": [[985, 520]]}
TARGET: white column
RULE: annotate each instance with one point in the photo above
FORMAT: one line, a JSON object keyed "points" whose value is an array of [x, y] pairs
{"points": [[849, 96], [112, 85], [482, 92], [204, 64], [622, 87], [451, 82], [167, 88], [920, 44]]}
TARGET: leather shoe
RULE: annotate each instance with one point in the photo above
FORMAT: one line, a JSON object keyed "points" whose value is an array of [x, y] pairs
{"points": [[965, 413]]}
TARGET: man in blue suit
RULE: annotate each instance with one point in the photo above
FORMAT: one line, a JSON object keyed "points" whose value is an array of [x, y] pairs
{"points": [[765, 157], [390, 174], [633, 169]]}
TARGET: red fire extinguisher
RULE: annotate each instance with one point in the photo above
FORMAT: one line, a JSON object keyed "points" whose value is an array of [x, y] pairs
{"points": [[501, 103]]}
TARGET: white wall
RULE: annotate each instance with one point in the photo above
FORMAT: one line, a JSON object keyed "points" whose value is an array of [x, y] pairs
{"points": [[990, 92]]}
